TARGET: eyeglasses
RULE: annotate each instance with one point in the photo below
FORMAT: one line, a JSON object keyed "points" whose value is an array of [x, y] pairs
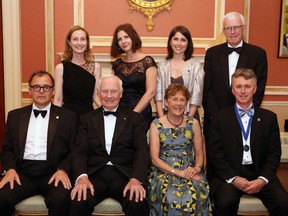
{"points": [[37, 88], [234, 28]]}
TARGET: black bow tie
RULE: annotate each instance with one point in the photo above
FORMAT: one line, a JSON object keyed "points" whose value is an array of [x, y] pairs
{"points": [[37, 112], [106, 113], [231, 49]]}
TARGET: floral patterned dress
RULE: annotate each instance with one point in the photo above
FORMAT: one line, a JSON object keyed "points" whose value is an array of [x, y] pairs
{"points": [[169, 194]]}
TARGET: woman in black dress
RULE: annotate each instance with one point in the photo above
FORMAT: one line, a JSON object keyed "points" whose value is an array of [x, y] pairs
{"points": [[77, 75], [137, 71]]}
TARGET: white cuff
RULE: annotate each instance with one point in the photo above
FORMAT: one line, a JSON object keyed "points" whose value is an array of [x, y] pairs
{"points": [[84, 174]]}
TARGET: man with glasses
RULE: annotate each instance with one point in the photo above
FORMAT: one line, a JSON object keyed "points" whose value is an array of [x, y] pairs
{"points": [[35, 151], [244, 152], [112, 155], [222, 60]]}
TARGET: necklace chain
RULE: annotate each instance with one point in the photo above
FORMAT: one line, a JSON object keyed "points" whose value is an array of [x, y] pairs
{"points": [[175, 125]]}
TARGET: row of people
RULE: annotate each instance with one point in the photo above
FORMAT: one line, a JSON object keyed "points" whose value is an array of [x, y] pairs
{"points": [[138, 74], [109, 157]]}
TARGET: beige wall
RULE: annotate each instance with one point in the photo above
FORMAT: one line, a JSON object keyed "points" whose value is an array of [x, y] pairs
{"points": [[35, 30]]}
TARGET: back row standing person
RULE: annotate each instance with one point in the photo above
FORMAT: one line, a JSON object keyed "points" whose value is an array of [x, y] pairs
{"points": [[77, 75], [137, 71], [220, 64], [180, 67]]}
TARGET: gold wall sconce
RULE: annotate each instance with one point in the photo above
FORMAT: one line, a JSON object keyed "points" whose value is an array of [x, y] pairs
{"points": [[150, 8]]}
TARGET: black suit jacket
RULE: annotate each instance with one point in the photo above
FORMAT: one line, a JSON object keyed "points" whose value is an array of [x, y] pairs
{"points": [[217, 91], [225, 147], [61, 133], [129, 151]]}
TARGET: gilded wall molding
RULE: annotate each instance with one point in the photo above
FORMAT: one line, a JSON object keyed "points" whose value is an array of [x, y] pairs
{"points": [[49, 32], [11, 54]]}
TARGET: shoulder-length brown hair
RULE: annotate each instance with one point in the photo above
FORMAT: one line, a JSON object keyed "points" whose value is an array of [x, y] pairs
{"points": [[190, 48], [68, 52], [136, 41]]}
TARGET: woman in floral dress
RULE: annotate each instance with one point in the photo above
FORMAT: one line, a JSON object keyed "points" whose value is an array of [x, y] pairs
{"points": [[177, 185]]}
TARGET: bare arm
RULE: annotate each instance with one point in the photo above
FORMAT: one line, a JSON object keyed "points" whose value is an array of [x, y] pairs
{"points": [[151, 79], [159, 108], [58, 97], [97, 74], [198, 145], [193, 109]]}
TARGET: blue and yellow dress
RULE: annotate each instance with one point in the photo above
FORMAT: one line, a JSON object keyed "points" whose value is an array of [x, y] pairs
{"points": [[169, 194]]}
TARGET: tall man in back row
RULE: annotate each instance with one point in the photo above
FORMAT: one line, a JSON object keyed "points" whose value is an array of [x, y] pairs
{"points": [[220, 64], [244, 152]]}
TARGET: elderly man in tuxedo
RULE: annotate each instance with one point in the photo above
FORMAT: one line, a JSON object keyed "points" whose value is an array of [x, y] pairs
{"points": [[110, 155], [244, 152], [35, 151], [221, 62]]}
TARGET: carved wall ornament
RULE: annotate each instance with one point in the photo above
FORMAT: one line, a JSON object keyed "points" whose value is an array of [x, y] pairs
{"points": [[150, 8]]}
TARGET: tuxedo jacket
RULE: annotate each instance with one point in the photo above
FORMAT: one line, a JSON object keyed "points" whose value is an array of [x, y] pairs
{"points": [[61, 133], [217, 90], [129, 150], [225, 146]]}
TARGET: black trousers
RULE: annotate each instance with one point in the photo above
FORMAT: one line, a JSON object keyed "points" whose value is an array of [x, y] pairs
{"points": [[273, 196], [109, 182], [57, 199]]}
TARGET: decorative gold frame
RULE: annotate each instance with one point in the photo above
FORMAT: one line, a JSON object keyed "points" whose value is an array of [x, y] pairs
{"points": [[150, 8], [283, 37]]}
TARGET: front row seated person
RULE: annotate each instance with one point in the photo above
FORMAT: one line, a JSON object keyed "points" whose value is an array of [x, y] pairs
{"points": [[244, 152], [177, 185], [35, 151], [111, 155]]}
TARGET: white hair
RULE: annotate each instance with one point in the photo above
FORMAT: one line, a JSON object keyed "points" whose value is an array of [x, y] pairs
{"points": [[233, 15], [107, 76]]}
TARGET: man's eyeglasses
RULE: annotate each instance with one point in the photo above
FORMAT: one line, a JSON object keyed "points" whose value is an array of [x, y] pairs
{"points": [[234, 28], [37, 88]]}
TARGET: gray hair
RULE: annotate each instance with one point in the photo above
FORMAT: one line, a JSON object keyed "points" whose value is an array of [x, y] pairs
{"points": [[233, 15], [107, 76]]}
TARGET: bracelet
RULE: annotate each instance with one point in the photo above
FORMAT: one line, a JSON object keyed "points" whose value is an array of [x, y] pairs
{"points": [[197, 165], [172, 171]]}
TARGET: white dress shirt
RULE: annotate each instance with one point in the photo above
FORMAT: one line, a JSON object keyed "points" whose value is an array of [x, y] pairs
{"points": [[233, 60], [36, 140]]}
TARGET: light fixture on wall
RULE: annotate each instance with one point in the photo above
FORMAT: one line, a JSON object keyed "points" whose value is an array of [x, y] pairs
{"points": [[150, 8]]}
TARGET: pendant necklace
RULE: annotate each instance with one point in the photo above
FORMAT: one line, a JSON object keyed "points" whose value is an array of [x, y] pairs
{"points": [[175, 130]]}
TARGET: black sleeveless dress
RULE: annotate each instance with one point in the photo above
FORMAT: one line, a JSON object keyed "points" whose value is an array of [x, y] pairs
{"points": [[133, 76], [78, 87]]}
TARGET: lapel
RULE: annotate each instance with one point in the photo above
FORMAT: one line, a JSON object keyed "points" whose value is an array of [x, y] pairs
{"points": [[120, 125], [235, 133], [98, 122], [166, 71], [224, 67], [244, 56], [24, 124], [256, 122], [54, 119]]}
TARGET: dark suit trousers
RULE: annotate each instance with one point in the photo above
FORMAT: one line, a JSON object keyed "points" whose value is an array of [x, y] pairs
{"points": [[109, 182], [273, 196], [57, 199]]}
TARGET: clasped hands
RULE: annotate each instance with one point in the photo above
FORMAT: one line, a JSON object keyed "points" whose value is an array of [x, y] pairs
{"points": [[83, 184], [189, 173], [12, 176], [249, 187]]}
